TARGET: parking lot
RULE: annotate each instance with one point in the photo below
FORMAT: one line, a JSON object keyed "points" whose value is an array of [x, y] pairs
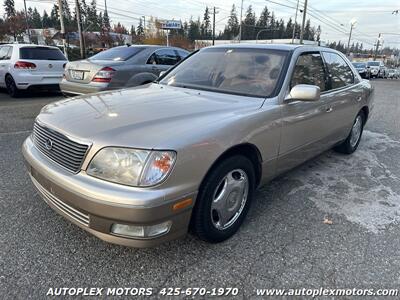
{"points": [[284, 243]]}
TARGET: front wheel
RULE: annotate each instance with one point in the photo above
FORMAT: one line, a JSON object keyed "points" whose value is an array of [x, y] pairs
{"points": [[350, 144], [224, 199]]}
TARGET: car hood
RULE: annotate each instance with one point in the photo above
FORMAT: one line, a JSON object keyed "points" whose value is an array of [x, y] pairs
{"points": [[144, 116]]}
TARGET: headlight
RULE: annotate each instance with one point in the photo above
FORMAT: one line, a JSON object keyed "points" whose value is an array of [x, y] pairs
{"points": [[132, 167]]}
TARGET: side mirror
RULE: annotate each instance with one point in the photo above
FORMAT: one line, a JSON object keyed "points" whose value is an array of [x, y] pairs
{"points": [[304, 92]]}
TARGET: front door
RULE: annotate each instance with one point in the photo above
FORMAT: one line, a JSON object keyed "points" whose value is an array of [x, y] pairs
{"points": [[304, 126]]}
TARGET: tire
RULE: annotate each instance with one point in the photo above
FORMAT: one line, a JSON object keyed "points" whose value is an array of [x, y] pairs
{"points": [[227, 178], [350, 144], [12, 87]]}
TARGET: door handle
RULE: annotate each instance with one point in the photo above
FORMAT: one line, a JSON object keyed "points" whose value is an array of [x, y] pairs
{"points": [[329, 109]]}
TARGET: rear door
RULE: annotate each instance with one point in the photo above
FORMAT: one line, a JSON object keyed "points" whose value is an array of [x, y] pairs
{"points": [[162, 60], [49, 61], [342, 96]]}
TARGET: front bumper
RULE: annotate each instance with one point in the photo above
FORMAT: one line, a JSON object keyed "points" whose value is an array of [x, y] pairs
{"points": [[78, 88], [94, 205]]}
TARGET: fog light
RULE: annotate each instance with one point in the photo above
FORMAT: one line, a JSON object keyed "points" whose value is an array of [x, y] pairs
{"points": [[141, 231]]}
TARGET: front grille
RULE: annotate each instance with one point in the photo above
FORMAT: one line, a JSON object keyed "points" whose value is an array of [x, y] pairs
{"points": [[71, 212], [59, 148]]}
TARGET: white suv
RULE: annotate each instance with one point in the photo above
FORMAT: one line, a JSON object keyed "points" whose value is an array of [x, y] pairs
{"points": [[24, 66]]}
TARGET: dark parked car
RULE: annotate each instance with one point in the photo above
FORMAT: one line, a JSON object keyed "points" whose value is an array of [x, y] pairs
{"points": [[362, 69], [119, 67]]}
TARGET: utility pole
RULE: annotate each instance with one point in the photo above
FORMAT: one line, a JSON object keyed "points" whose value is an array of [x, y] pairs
{"points": [[348, 42], [78, 18], [377, 46], [61, 12], [304, 22], [240, 24], [295, 21], [27, 23], [213, 31]]}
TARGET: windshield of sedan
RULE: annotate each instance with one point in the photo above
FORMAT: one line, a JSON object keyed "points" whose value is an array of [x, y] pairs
{"points": [[359, 65], [242, 71], [117, 54]]}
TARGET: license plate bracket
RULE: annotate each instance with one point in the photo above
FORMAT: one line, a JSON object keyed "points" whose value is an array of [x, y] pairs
{"points": [[77, 75]]}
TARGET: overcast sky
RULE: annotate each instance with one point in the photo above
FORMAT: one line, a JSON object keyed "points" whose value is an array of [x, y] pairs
{"points": [[373, 16]]}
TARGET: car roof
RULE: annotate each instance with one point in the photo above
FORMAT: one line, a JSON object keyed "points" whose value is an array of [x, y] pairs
{"points": [[29, 45], [284, 47]]}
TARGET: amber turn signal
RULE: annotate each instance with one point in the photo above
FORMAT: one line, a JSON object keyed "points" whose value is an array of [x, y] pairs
{"points": [[182, 204]]}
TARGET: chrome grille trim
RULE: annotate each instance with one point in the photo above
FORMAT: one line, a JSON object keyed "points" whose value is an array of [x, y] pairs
{"points": [[65, 152], [71, 212]]}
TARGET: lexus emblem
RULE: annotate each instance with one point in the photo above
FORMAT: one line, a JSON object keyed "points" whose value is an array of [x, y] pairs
{"points": [[48, 144], [50, 66]]}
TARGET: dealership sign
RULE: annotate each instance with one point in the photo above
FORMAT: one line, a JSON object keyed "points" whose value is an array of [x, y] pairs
{"points": [[170, 24]]}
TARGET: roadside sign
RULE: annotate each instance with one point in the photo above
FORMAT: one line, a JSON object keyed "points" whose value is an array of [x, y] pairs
{"points": [[170, 24]]}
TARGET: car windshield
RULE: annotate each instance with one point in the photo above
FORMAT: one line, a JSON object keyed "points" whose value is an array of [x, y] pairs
{"points": [[117, 54], [243, 71], [359, 65], [373, 63], [41, 53]]}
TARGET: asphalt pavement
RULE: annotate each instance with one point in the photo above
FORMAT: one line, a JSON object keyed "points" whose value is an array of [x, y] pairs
{"points": [[284, 243]]}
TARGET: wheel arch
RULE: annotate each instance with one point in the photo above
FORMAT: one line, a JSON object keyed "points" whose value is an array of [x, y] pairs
{"points": [[365, 110], [245, 149]]}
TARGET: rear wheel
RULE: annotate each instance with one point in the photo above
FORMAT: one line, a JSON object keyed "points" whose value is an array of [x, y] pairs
{"points": [[12, 87], [350, 144], [224, 199]]}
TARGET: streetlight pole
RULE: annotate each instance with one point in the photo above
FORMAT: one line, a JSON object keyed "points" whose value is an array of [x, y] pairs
{"points": [[295, 21], [304, 22], [240, 25], [78, 18], [352, 24], [377, 46], [27, 23], [61, 12]]}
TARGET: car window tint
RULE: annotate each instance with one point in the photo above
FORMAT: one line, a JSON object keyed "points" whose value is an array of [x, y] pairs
{"points": [[245, 71], [182, 53], [152, 59], [41, 53], [340, 73], [166, 57], [309, 69], [4, 52], [122, 53]]}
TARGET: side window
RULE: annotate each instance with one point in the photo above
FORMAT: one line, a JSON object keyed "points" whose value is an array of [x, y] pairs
{"points": [[309, 69], [9, 54], [152, 59], [182, 54], [166, 57], [3, 52], [340, 73]]}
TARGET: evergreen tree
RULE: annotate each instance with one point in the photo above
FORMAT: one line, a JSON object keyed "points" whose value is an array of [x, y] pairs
{"points": [[232, 29], [289, 28], [308, 35], [140, 29], [9, 8], [206, 25], [281, 29], [248, 26], [92, 18], [106, 21], [46, 20], [263, 22], [194, 30], [36, 19], [55, 21]]}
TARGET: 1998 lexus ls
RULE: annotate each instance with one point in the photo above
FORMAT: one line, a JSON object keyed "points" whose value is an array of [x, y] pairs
{"points": [[143, 165]]}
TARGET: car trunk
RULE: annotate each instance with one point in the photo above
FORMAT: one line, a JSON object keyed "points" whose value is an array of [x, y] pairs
{"points": [[83, 71], [48, 61]]}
